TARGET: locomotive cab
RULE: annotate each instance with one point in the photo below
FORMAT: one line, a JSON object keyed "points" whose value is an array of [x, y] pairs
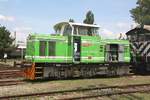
{"points": [[78, 33]]}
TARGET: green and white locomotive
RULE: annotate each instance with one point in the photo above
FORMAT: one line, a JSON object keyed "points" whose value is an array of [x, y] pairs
{"points": [[75, 50]]}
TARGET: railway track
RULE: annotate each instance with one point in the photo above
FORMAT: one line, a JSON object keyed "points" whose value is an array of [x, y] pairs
{"points": [[86, 93], [10, 74], [11, 82], [8, 71]]}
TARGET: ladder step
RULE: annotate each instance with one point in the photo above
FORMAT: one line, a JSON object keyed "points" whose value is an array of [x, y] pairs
{"points": [[38, 77], [39, 72], [39, 67]]}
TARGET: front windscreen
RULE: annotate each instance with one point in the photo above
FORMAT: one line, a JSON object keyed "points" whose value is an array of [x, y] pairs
{"points": [[90, 31]]}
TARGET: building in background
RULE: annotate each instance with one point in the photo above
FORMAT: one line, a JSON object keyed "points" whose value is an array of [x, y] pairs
{"points": [[19, 51]]}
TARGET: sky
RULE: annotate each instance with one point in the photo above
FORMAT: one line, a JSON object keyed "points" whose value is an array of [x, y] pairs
{"points": [[39, 16]]}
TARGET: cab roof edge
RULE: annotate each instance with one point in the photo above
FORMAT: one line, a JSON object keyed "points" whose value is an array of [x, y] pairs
{"points": [[75, 24]]}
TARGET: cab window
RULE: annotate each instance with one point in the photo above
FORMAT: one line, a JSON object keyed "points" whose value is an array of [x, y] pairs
{"points": [[89, 31], [67, 30], [82, 31]]}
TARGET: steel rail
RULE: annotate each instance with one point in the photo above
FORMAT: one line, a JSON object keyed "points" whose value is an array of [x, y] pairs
{"points": [[107, 94], [81, 90], [11, 82]]}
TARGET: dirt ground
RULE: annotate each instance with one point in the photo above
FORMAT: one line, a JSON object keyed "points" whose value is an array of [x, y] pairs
{"points": [[53, 85]]}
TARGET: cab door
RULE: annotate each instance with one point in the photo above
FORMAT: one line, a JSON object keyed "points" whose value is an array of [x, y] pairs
{"points": [[76, 48]]}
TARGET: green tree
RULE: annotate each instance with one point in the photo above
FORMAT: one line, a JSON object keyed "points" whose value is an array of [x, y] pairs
{"points": [[71, 20], [141, 14], [6, 42], [89, 18]]}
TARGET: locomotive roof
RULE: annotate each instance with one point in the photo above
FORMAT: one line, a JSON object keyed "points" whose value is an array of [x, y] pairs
{"points": [[147, 27], [139, 30], [59, 25]]}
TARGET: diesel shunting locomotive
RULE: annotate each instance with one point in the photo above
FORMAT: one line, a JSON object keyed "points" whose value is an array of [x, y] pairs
{"points": [[75, 50]]}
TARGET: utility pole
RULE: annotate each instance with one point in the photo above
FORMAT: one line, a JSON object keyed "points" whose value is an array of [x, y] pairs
{"points": [[15, 38]]}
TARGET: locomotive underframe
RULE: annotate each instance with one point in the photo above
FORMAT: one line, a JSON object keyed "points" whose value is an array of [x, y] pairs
{"points": [[82, 70]]}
